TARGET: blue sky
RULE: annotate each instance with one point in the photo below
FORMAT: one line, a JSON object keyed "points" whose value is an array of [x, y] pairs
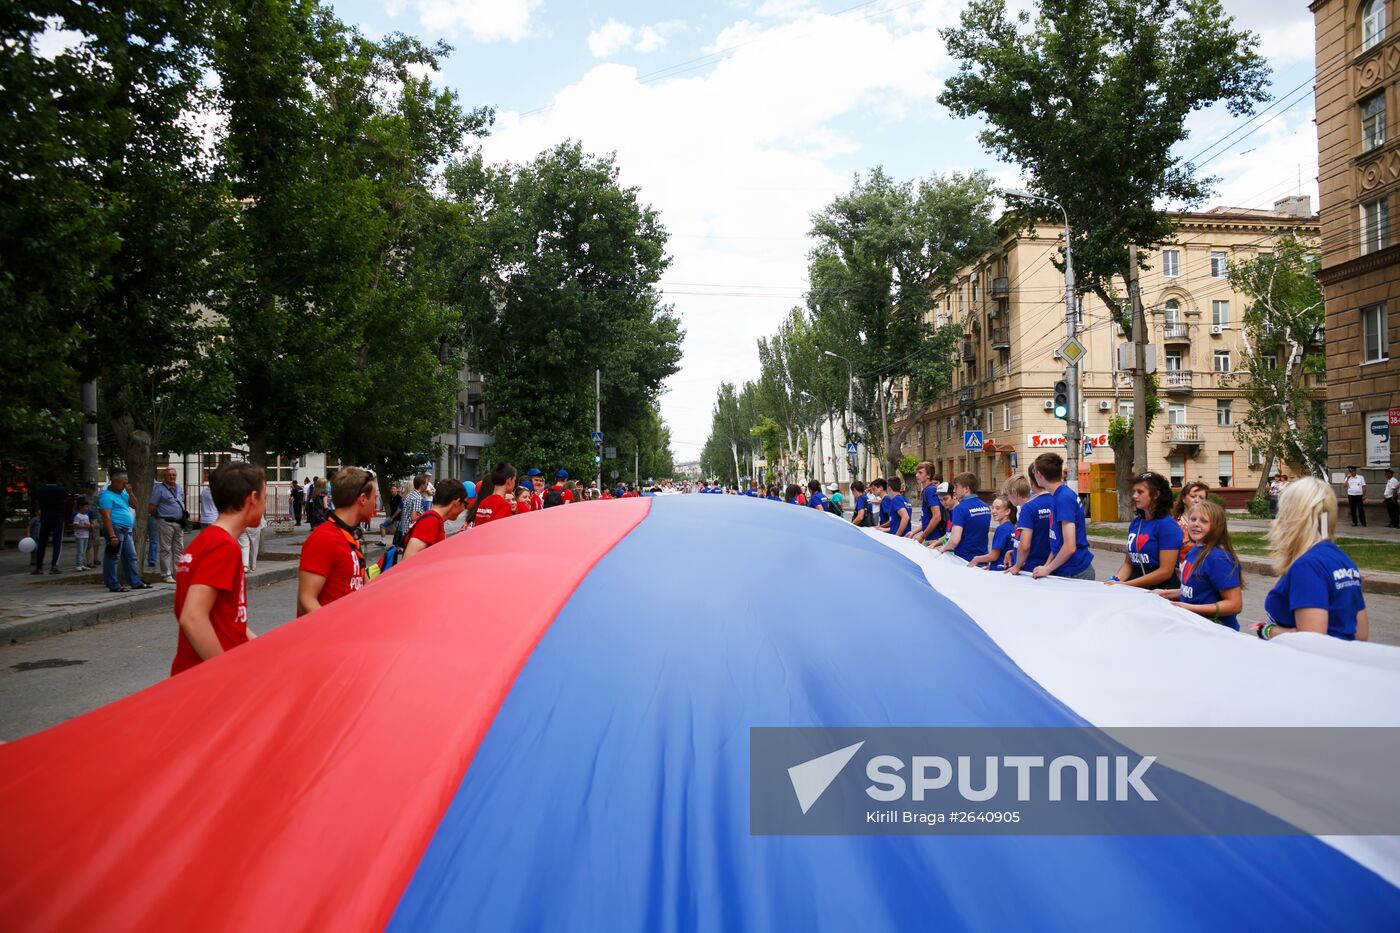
{"points": [[738, 118]]}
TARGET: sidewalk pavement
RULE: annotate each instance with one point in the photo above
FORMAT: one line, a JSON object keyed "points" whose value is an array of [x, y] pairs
{"points": [[36, 606]]}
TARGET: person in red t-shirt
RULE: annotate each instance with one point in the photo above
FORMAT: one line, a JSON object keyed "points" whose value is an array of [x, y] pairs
{"points": [[332, 560], [561, 486], [449, 501], [524, 499], [493, 496], [211, 599]]}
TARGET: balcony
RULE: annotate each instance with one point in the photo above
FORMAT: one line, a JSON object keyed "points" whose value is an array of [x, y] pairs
{"points": [[1001, 337], [967, 395], [1177, 381], [1176, 332], [969, 352], [1001, 287], [1183, 435]]}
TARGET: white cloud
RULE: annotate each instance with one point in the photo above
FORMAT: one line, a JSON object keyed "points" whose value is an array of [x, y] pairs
{"points": [[615, 36], [736, 159], [484, 20], [1277, 161]]}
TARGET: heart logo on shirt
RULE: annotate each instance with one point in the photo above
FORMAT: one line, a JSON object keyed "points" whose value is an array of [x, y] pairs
{"points": [[1141, 540], [1185, 570]]}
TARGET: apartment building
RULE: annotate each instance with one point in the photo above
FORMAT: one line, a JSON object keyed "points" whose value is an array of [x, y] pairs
{"points": [[1012, 311], [1357, 87]]}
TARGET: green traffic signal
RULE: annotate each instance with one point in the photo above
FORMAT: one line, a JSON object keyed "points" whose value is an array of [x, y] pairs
{"points": [[1062, 399]]}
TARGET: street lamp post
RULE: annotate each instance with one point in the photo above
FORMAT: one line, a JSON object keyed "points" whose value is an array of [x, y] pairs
{"points": [[1073, 425], [850, 401]]}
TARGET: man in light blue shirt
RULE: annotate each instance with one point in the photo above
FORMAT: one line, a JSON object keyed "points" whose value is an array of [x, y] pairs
{"points": [[168, 508], [118, 518]]}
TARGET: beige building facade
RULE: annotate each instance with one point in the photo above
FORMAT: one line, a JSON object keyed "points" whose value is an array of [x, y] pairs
{"points": [[1012, 311], [1357, 88]]}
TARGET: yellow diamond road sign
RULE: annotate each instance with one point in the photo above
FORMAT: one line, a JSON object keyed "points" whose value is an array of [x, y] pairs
{"points": [[1071, 351]]}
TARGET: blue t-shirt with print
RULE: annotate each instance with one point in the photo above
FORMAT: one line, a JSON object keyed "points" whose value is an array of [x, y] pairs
{"points": [[862, 504], [816, 500], [929, 499], [1034, 517], [974, 517], [1204, 582], [1323, 578], [1065, 507], [1148, 538]]}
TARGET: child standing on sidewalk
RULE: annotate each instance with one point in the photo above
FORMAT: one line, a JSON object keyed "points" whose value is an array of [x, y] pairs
{"points": [[82, 531]]}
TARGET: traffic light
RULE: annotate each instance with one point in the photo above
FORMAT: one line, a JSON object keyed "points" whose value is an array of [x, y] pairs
{"points": [[1062, 399]]}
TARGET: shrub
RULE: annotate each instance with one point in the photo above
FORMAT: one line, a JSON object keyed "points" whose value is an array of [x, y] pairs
{"points": [[908, 465], [1259, 506]]}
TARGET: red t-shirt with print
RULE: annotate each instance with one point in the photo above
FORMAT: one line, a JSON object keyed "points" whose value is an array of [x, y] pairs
{"points": [[213, 559], [491, 508], [430, 528], [328, 553]]}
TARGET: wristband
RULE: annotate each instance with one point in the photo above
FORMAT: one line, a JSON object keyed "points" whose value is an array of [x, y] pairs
{"points": [[1265, 630], [1113, 579]]}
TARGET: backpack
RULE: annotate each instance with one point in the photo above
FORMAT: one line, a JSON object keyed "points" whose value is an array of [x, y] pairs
{"points": [[868, 521], [552, 498], [834, 508]]}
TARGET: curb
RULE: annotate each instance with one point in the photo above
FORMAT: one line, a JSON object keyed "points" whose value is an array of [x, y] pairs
{"points": [[1372, 581], [56, 623]]}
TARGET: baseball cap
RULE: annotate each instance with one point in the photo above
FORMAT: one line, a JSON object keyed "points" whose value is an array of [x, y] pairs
{"points": [[942, 489], [534, 471], [832, 487], [562, 474]]}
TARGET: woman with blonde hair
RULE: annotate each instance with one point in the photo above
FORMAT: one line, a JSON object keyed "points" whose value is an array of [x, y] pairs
{"points": [[1319, 588], [1211, 583]]}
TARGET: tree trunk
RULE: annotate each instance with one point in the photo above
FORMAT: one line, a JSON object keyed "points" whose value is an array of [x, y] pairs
{"points": [[1123, 477], [257, 451], [881, 399]]}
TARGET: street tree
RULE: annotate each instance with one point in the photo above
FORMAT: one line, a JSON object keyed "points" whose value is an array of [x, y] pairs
{"points": [[1089, 99], [1283, 357], [882, 250]]}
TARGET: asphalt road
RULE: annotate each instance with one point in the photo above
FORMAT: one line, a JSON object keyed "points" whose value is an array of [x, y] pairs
{"points": [[47, 681]]}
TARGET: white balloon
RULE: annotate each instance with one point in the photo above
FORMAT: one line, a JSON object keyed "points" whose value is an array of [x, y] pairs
{"points": [[28, 545]]}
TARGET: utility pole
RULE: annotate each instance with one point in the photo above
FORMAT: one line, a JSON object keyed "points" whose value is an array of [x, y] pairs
{"points": [[1139, 365], [598, 421]]}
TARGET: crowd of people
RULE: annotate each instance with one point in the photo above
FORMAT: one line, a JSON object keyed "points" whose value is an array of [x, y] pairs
{"points": [[1178, 543]]}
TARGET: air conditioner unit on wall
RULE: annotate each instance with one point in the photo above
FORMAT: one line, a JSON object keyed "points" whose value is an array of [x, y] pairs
{"points": [[1217, 329], [1105, 405], [1049, 405]]}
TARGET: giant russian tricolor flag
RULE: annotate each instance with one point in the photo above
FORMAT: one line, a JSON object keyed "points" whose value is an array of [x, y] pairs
{"points": [[544, 724]]}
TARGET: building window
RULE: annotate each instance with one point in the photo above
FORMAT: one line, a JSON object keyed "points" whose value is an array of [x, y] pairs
{"points": [[1171, 263], [1125, 409], [1222, 361], [1171, 314], [1176, 413], [1176, 467], [989, 422], [1227, 468], [1219, 264], [1223, 414], [1375, 225], [1372, 122], [1174, 361], [1220, 313], [1271, 363], [1374, 340], [974, 290], [1006, 417], [1372, 23]]}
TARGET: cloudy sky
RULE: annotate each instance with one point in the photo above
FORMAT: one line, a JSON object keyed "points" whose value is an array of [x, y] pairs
{"points": [[739, 118]]}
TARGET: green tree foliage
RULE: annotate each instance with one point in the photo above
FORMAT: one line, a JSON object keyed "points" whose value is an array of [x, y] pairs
{"points": [[882, 249], [560, 280], [1283, 357], [1089, 99]]}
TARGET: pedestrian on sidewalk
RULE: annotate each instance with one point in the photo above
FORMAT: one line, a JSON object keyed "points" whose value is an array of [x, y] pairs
{"points": [[392, 512], [1275, 487], [82, 532], [1391, 498], [52, 500], [1356, 496], [118, 520], [152, 540], [298, 500], [90, 493], [316, 510], [208, 512], [167, 507], [333, 559], [415, 502], [211, 594], [1318, 588], [249, 542]]}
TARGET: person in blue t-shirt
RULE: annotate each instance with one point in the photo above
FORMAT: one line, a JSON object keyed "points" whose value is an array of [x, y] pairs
{"points": [[931, 519], [1319, 588], [1003, 539], [861, 516], [880, 501], [1069, 546], [773, 494], [816, 499], [752, 491], [792, 493], [896, 507], [1211, 582], [1032, 524], [1154, 537], [972, 520]]}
